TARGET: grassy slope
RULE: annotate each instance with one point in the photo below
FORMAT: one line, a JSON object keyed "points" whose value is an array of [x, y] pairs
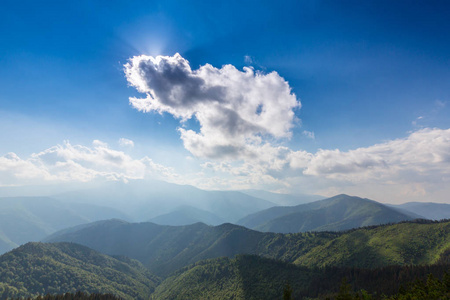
{"points": [[64, 267]]}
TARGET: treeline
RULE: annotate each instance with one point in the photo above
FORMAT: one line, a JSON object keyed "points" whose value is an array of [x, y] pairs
{"points": [[74, 296], [430, 289], [415, 221], [377, 282]]}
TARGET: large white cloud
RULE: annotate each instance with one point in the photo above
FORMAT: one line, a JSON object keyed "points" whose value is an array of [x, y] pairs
{"points": [[237, 110]]}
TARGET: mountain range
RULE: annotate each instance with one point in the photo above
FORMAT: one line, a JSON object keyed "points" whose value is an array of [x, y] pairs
{"points": [[167, 241], [206, 262], [143, 200], [164, 249]]}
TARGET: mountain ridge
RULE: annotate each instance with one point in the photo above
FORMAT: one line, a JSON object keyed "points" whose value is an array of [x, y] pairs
{"points": [[340, 212], [164, 249]]}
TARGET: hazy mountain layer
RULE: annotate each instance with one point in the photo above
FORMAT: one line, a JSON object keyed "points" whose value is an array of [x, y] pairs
{"points": [[340, 212], [6, 244], [146, 199], [429, 210], [283, 199], [164, 249], [25, 219], [37, 268], [185, 215]]}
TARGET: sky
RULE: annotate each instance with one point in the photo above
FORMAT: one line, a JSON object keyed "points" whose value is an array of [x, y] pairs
{"points": [[314, 97]]}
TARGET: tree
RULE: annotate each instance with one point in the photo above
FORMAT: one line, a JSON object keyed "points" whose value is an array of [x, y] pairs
{"points": [[287, 292]]}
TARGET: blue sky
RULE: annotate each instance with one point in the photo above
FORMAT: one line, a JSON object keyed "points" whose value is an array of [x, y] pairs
{"points": [[365, 73]]}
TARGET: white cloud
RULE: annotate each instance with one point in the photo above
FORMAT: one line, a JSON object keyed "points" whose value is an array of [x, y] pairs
{"points": [[309, 134], [243, 117], [238, 111], [69, 162], [423, 156], [414, 168], [126, 142], [14, 170]]}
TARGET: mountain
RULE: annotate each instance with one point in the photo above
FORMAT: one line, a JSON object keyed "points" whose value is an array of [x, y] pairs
{"points": [[25, 219], [185, 215], [253, 277], [429, 210], [340, 212], [164, 249], [283, 199], [37, 268], [145, 199], [5, 243]]}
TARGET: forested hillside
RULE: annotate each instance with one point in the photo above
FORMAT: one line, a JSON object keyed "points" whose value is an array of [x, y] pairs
{"points": [[253, 277], [37, 268]]}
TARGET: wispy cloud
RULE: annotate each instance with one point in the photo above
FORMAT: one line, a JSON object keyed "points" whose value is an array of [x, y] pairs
{"points": [[126, 142], [69, 162], [248, 59], [309, 134], [440, 104]]}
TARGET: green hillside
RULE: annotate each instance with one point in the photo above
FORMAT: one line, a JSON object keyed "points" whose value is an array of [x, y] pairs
{"points": [[341, 212], [252, 277], [37, 268], [164, 249], [398, 244]]}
